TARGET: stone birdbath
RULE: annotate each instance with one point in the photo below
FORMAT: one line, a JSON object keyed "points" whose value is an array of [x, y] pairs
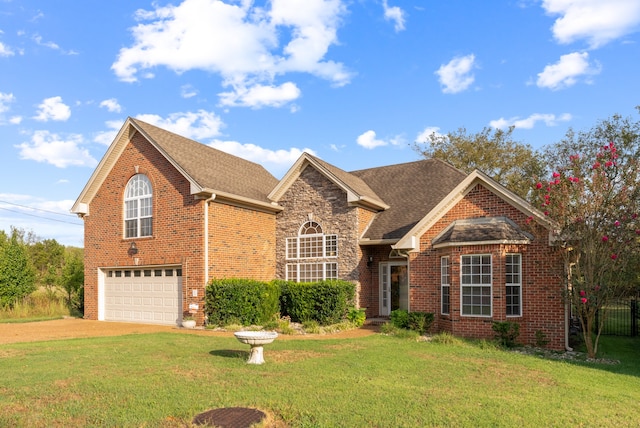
{"points": [[256, 339]]}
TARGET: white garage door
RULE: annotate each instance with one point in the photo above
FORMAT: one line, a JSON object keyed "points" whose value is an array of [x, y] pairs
{"points": [[145, 295]]}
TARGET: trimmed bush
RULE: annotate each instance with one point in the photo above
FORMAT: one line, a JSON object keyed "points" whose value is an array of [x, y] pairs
{"points": [[241, 300], [326, 302], [416, 321], [506, 332]]}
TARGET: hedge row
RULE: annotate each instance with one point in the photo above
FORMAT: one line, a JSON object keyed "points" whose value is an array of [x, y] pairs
{"points": [[247, 302], [241, 301]]}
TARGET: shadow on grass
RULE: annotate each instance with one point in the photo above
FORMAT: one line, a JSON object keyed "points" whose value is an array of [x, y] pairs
{"points": [[230, 353]]}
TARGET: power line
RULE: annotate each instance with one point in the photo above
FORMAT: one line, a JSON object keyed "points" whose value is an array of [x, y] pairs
{"points": [[39, 216], [37, 209]]}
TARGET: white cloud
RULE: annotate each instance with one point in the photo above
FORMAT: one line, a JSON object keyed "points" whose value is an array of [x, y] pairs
{"points": [[567, 71], [53, 109], [243, 43], [275, 161], [258, 96], [368, 140], [596, 21], [456, 76], [394, 14], [5, 100], [50, 148], [5, 50], [259, 154], [197, 126], [425, 135], [530, 122], [51, 45], [111, 105], [107, 137], [187, 91]]}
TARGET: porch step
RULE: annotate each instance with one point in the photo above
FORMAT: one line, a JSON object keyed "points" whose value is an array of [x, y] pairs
{"points": [[376, 321]]}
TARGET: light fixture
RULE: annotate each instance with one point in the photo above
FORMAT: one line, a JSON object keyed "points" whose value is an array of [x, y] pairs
{"points": [[133, 250], [370, 261]]}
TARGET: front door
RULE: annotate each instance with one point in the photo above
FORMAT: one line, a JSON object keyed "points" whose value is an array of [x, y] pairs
{"points": [[394, 287]]}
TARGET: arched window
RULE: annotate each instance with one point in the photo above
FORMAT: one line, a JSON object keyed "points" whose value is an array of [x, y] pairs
{"points": [[312, 243], [138, 207]]}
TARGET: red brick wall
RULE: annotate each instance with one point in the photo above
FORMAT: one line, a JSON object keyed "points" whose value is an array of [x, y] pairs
{"points": [[542, 292], [177, 223], [241, 243]]}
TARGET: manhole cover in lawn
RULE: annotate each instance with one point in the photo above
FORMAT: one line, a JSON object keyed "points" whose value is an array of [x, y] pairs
{"points": [[230, 417]]}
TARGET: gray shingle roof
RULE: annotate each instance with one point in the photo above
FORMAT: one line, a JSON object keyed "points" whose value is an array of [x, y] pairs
{"points": [[212, 168], [411, 189], [482, 230], [356, 183]]}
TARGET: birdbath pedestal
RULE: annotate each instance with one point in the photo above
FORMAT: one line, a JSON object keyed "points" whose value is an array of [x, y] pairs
{"points": [[256, 339]]}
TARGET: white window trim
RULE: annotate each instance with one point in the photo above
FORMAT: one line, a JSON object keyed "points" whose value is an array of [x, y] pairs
{"points": [[139, 217], [296, 241], [507, 284], [324, 271], [490, 285], [443, 285]]}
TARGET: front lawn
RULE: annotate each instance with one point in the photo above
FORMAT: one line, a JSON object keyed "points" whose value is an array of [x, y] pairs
{"points": [[165, 379]]}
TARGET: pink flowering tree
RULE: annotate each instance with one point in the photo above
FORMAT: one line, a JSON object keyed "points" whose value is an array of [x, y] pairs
{"points": [[593, 198]]}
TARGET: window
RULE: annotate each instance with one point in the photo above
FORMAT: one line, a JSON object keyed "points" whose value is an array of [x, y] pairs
{"points": [[475, 283], [138, 220], [311, 272], [445, 284], [514, 285], [311, 243]]}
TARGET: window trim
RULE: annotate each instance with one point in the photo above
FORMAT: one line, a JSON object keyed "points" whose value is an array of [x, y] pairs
{"points": [[325, 267], [472, 285], [138, 200], [444, 284], [518, 284]]}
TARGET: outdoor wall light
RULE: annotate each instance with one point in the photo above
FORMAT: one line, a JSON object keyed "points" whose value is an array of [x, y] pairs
{"points": [[370, 261], [133, 250]]}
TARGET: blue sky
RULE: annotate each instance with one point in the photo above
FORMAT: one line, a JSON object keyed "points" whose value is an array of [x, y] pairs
{"points": [[355, 82]]}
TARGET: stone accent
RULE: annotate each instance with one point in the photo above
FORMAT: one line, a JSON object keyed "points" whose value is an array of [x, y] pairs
{"points": [[313, 196]]}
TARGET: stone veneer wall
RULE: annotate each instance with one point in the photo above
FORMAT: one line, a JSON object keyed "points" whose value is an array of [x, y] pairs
{"points": [[313, 194]]}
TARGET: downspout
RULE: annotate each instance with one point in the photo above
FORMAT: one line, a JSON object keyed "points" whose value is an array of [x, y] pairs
{"points": [[405, 254], [206, 237]]}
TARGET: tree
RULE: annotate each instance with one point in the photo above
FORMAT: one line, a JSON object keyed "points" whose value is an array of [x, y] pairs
{"points": [[593, 197], [72, 279], [17, 277], [47, 257], [492, 151]]}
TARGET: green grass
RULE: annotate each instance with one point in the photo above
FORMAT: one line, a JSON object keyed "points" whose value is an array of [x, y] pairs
{"points": [[383, 381]]}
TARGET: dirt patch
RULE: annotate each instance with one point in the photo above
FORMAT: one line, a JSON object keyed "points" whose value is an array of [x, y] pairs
{"points": [[72, 328]]}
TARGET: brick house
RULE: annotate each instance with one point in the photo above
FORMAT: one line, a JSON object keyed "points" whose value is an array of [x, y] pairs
{"points": [[164, 214]]}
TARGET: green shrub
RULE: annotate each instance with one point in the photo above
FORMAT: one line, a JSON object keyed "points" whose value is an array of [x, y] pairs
{"points": [[326, 302], [420, 321], [400, 318], [241, 301], [415, 321], [506, 332], [357, 316], [541, 339]]}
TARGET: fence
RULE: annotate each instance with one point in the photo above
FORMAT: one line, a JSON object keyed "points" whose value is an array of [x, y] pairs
{"points": [[622, 318]]}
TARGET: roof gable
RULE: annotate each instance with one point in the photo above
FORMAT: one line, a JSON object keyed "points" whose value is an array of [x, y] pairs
{"points": [[211, 172], [411, 240], [358, 191]]}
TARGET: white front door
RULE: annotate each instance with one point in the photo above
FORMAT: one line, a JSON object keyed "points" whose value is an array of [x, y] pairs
{"points": [[394, 287]]}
